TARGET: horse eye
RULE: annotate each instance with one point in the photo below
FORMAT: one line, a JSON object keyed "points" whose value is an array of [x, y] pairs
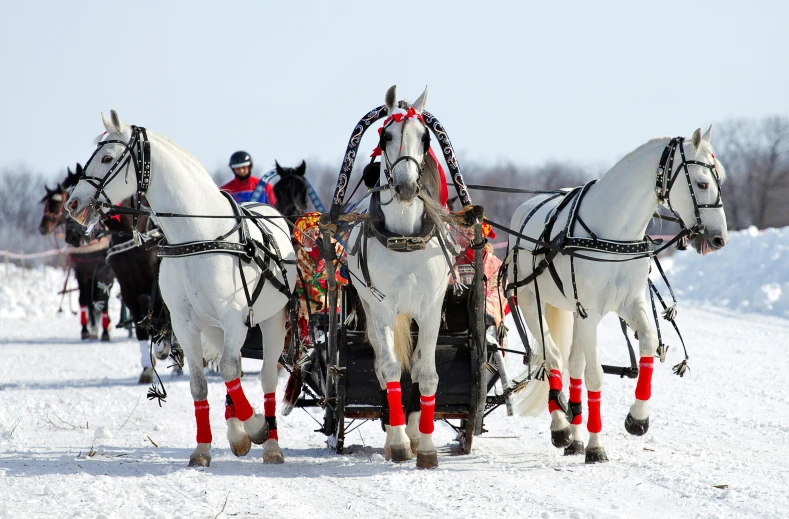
{"points": [[388, 137], [105, 159], [702, 185]]}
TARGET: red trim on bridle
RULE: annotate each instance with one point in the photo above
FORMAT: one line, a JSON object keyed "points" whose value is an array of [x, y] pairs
{"points": [[398, 118]]}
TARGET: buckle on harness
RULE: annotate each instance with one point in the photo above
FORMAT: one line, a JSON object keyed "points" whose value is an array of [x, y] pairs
{"points": [[405, 243]]}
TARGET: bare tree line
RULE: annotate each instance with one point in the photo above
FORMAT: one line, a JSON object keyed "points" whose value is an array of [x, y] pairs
{"points": [[755, 152]]}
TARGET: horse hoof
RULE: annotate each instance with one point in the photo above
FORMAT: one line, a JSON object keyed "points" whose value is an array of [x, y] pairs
{"points": [[85, 334], [562, 438], [259, 436], [401, 454], [272, 454], [162, 355], [426, 460], [575, 448], [199, 459], [105, 336], [387, 453], [596, 455], [242, 447], [146, 377], [636, 427]]}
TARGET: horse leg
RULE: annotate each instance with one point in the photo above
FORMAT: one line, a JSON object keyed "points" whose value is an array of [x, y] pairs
{"points": [[230, 369], [146, 377], [84, 301], [595, 452], [193, 352], [561, 433], [273, 330], [426, 455], [236, 436], [576, 365], [637, 421], [381, 325]]}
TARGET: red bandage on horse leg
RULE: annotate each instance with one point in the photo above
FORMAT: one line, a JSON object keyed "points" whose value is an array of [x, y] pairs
{"points": [[203, 421], [243, 409], [270, 410], [83, 315], [555, 382], [428, 406], [394, 396], [644, 385], [105, 320], [575, 397], [594, 424], [230, 410]]}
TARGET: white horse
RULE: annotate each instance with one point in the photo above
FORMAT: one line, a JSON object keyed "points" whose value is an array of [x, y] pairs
{"points": [[204, 293], [617, 207], [413, 284]]}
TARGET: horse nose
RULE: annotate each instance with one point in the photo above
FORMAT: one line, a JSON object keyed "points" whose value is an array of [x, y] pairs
{"points": [[717, 242]]}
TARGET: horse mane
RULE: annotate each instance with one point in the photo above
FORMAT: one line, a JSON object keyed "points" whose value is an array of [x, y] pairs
{"points": [[704, 147]]}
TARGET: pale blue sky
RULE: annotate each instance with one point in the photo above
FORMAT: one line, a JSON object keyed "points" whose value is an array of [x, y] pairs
{"points": [[511, 81]]}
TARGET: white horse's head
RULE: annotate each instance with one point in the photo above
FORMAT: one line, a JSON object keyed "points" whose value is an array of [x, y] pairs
{"points": [[404, 142], [705, 174], [109, 175]]}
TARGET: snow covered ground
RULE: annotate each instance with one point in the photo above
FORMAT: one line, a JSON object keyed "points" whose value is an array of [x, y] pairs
{"points": [[79, 439]]}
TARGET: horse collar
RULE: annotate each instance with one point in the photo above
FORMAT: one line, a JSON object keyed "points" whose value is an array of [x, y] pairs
{"points": [[394, 241]]}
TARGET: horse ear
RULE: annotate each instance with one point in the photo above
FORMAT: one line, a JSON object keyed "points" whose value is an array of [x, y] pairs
{"points": [[301, 169], [107, 122], [696, 140], [707, 135], [116, 121], [69, 172], [80, 171], [277, 166], [391, 98], [419, 105]]}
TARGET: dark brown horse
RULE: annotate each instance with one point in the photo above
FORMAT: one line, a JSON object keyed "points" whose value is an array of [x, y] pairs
{"points": [[86, 260]]}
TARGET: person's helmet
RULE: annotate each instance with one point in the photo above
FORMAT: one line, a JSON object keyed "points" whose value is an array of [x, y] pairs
{"points": [[240, 159]]}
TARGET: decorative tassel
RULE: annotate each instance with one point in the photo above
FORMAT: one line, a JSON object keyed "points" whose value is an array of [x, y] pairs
{"points": [[136, 237], [520, 386], [541, 372], [378, 295], [493, 370], [350, 321], [670, 314], [681, 368], [503, 331], [662, 350]]}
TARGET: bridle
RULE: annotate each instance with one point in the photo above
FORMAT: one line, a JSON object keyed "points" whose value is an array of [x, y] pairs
{"points": [[294, 197], [137, 151], [52, 218], [402, 116], [667, 176]]}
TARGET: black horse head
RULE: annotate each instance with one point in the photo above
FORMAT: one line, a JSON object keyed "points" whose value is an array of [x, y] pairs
{"points": [[291, 190], [55, 200]]}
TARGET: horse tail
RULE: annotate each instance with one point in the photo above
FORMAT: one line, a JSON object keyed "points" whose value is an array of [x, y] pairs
{"points": [[533, 399], [404, 344]]}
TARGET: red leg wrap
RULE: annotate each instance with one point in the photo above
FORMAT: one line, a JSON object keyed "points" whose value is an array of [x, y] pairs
{"points": [[243, 409], [428, 406], [594, 424], [203, 422], [83, 315], [575, 397], [270, 410], [555, 382], [644, 385], [395, 397], [230, 411], [105, 320]]}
